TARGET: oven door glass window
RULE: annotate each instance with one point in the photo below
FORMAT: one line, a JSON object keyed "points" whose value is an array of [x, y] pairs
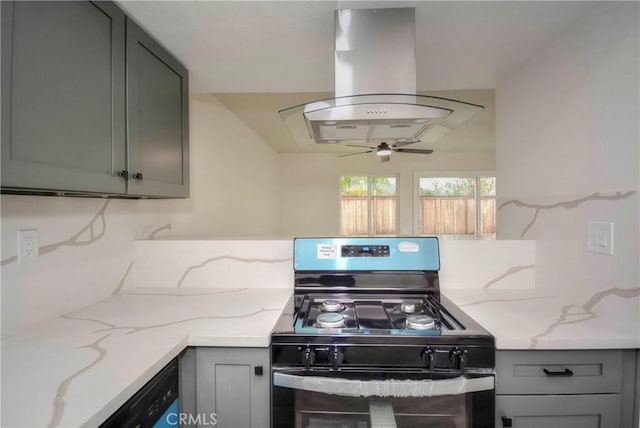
{"points": [[319, 401]]}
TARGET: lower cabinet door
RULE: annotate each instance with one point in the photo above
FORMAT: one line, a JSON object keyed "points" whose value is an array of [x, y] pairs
{"points": [[555, 411], [233, 387]]}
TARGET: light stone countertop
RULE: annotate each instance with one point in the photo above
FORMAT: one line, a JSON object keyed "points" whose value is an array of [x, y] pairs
{"points": [[77, 369], [535, 319]]}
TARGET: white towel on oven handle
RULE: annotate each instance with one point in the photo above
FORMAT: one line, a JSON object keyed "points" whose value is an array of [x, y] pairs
{"points": [[385, 388]]}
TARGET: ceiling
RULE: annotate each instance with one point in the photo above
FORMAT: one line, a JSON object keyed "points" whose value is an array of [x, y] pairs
{"points": [[261, 56]]}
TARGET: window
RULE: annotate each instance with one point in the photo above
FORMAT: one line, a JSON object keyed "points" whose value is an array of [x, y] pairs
{"points": [[457, 207], [368, 206]]}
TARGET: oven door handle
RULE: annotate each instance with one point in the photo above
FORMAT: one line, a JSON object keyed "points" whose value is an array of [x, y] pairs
{"points": [[385, 388]]}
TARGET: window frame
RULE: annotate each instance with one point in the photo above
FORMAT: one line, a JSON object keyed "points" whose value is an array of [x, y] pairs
{"points": [[369, 223], [417, 175]]}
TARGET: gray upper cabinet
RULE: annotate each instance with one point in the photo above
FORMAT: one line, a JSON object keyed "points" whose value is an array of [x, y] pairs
{"points": [[158, 114], [90, 104], [63, 96]]}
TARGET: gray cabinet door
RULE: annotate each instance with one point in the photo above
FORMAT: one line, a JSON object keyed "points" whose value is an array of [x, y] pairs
{"points": [[157, 112], [536, 372], [63, 89], [554, 411], [229, 386]]}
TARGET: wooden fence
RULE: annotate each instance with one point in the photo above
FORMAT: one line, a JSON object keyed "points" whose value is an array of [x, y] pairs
{"points": [[355, 212], [441, 215]]}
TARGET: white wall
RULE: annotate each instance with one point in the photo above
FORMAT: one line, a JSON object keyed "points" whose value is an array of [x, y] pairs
{"points": [[309, 195], [233, 176], [567, 150]]}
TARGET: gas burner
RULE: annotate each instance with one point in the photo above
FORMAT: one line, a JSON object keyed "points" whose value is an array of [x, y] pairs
{"points": [[332, 306], [329, 320], [408, 307], [420, 322]]}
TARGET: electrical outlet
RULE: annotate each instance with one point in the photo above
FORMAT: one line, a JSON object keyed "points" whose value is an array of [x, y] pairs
{"points": [[27, 245], [600, 237]]}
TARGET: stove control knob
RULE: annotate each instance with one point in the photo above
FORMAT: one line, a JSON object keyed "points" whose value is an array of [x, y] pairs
{"points": [[458, 358], [428, 358], [308, 357], [336, 357]]}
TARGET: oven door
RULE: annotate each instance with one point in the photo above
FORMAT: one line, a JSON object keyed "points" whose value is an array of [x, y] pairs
{"points": [[376, 399]]}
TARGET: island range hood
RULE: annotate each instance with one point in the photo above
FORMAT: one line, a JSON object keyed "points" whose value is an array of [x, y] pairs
{"points": [[375, 87]]}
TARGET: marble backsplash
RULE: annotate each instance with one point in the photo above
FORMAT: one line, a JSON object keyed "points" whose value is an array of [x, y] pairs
{"points": [[268, 263], [496, 265], [85, 252], [558, 224], [195, 263]]}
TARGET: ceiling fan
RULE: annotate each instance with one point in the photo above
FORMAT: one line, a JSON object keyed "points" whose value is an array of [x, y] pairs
{"points": [[384, 150]]}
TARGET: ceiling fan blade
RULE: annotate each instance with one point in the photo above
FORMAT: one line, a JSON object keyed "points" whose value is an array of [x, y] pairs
{"points": [[352, 154], [404, 143], [362, 147], [415, 151], [385, 158]]}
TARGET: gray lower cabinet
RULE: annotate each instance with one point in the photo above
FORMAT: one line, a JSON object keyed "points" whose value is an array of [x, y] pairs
{"points": [[559, 411], [84, 110], [234, 384], [564, 389]]}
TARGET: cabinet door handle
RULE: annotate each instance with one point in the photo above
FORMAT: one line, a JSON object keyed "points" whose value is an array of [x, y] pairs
{"points": [[137, 176], [507, 422], [124, 174], [258, 370], [565, 373]]}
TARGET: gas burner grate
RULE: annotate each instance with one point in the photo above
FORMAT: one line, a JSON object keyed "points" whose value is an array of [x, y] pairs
{"points": [[376, 314]]}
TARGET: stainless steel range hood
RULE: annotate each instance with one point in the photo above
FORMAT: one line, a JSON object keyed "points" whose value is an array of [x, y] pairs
{"points": [[375, 87]]}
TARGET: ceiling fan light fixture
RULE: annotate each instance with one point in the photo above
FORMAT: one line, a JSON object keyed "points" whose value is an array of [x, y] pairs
{"points": [[383, 151]]}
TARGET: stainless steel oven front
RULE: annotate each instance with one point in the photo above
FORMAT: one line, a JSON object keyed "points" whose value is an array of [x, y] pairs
{"points": [[387, 397]]}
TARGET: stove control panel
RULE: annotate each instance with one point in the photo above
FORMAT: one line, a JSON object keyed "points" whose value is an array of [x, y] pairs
{"points": [[365, 251], [430, 357], [336, 356], [458, 358], [308, 357], [444, 358], [322, 355], [366, 254]]}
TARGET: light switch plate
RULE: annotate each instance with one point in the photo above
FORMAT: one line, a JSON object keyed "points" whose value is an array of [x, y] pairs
{"points": [[600, 237]]}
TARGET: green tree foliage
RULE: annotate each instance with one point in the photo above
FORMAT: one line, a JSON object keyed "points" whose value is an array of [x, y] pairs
{"points": [[487, 186], [353, 186], [383, 186], [360, 186]]}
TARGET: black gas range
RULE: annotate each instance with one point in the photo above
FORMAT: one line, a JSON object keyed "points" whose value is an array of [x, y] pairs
{"points": [[369, 339]]}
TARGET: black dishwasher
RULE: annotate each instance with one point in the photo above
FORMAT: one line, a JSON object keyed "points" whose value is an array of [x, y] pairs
{"points": [[154, 405]]}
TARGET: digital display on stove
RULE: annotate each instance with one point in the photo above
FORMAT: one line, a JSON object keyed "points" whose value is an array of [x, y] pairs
{"points": [[366, 254], [365, 251]]}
